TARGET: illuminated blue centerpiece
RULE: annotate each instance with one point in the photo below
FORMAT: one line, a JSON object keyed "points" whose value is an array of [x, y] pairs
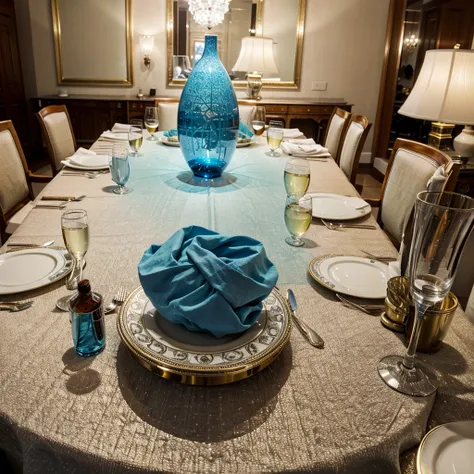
{"points": [[208, 115]]}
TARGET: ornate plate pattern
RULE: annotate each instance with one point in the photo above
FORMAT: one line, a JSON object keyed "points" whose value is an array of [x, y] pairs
{"points": [[201, 358]]}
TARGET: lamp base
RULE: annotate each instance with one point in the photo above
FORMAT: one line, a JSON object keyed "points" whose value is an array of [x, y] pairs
{"points": [[464, 143], [441, 136], [254, 85]]}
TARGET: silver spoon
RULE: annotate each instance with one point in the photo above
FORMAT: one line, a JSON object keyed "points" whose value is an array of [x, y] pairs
{"points": [[310, 334], [19, 244], [333, 226]]}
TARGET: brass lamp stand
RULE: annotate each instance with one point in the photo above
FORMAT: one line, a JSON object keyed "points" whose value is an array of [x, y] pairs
{"points": [[441, 136]]}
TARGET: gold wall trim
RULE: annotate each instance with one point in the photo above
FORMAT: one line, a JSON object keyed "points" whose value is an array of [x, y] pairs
{"points": [[125, 82], [295, 84]]}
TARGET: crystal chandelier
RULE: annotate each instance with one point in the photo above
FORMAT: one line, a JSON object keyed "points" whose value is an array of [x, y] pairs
{"points": [[410, 44], [208, 12]]}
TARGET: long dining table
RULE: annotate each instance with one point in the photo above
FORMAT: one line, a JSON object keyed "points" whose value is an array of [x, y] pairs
{"points": [[312, 410]]}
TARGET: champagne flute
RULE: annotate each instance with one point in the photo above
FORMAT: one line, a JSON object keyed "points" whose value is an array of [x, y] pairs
{"points": [[151, 121], [119, 165], [442, 225], [75, 229], [298, 215], [257, 120], [135, 136], [274, 138], [296, 176]]}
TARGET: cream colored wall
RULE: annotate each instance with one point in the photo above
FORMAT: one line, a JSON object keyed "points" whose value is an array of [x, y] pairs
{"points": [[344, 45]]}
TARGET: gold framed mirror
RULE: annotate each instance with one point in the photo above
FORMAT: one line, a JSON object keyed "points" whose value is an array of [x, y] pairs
{"points": [[103, 56], [245, 18]]}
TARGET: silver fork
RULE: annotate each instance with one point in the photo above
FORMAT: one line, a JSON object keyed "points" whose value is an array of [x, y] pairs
{"points": [[381, 259], [117, 300], [333, 226], [15, 306], [365, 308]]}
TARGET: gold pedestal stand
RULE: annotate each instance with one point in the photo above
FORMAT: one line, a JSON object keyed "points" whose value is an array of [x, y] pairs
{"points": [[441, 136]]}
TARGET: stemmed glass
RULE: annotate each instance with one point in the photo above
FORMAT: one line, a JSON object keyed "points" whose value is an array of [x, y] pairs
{"points": [[298, 215], [151, 122], [75, 229], [274, 138], [257, 120], [296, 176], [135, 136], [442, 225], [119, 165]]}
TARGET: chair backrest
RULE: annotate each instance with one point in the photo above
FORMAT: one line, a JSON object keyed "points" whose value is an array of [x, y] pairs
{"points": [[337, 125], [58, 133], [244, 112], [14, 185], [411, 166], [168, 115], [353, 142]]}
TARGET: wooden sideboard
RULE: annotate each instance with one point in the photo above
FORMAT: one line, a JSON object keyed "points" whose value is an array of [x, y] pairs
{"points": [[91, 115]]}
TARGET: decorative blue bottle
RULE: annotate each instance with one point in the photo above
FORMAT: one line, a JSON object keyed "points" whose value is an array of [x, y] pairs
{"points": [[208, 115]]}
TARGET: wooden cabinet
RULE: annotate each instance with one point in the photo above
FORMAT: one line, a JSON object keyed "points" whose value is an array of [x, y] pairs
{"points": [[91, 115]]}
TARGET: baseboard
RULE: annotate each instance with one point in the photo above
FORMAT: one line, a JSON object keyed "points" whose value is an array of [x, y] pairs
{"points": [[365, 157]]}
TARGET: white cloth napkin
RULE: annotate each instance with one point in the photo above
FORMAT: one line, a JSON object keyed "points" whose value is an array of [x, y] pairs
{"points": [[115, 135], [120, 128], [80, 158], [437, 181], [304, 148]]}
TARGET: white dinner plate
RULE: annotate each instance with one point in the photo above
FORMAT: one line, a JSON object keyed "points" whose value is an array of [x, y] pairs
{"points": [[244, 144], [354, 276], [165, 141], [69, 164], [338, 207], [90, 161], [29, 269], [447, 449]]}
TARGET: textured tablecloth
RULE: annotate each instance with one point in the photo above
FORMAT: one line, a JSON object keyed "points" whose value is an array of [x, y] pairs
{"points": [[312, 410]]}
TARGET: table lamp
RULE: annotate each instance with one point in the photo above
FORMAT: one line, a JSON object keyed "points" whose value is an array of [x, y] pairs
{"points": [[444, 94], [256, 59]]}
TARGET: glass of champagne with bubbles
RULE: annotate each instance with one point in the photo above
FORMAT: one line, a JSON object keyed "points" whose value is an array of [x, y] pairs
{"points": [[135, 136], [257, 120], [151, 122], [297, 176], [75, 230], [274, 138], [298, 215], [119, 165]]}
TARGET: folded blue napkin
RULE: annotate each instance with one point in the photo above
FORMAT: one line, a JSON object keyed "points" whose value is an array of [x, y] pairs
{"points": [[207, 281], [244, 131], [171, 133]]}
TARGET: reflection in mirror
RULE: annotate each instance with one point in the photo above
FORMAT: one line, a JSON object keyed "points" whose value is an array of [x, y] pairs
{"points": [[282, 21]]}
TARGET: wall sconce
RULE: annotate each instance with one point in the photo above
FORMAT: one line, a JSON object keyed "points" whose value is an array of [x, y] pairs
{"points": [[146, 45]]}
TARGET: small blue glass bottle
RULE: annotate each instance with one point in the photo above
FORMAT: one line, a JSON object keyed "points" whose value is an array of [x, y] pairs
{"points": [[87, 320], [208, 115]]}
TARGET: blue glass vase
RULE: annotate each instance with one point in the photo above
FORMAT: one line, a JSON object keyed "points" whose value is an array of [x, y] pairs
{"points": [[208, 115]]}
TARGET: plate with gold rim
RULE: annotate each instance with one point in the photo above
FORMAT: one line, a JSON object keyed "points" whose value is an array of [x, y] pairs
{"points": [[169, 142], [447, 448], [173, 351], [350, 275]]}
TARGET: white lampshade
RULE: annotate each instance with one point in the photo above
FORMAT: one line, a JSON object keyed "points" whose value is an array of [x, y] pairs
{"points": [[256, 55], [444, 90], [146, 44]]}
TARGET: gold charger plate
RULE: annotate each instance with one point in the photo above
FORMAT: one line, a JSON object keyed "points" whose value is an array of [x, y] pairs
{"points": [[173, 352]]}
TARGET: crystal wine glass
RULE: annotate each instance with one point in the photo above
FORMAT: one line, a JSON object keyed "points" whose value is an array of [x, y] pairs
{"points": [[151, 121], [119, 165], [298, 215], [442, 225], [257, 120], [75, 229], [135, 136], [274, 138], [297, 176]]}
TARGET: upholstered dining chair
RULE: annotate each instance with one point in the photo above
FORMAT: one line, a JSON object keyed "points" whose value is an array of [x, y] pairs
{"points": [[353, 141], [244, 112], [15, 181], [168, 115], [58, 134], [337, 125], [411, 166]]}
